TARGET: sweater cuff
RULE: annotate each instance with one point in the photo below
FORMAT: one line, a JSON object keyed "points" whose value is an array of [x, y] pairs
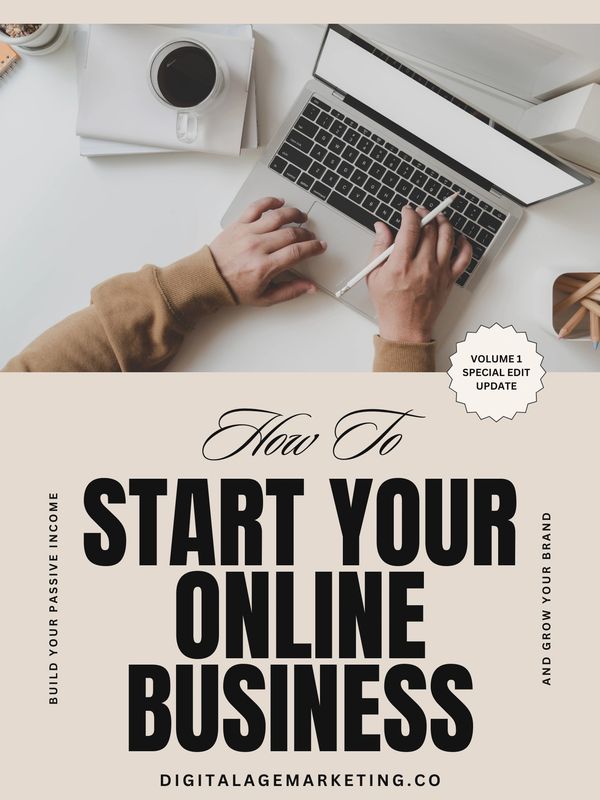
{"points": [[193, 286], [403, 356]]}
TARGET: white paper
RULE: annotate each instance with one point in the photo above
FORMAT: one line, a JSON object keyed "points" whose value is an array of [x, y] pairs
{"points": [[481, 148], [116, 102]]}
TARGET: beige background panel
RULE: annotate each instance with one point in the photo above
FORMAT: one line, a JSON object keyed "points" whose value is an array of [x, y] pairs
{"points": [[60, 431], [184, 11]]}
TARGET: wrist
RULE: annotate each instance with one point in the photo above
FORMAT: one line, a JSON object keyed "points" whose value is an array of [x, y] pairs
{"points": [[400, 334]]}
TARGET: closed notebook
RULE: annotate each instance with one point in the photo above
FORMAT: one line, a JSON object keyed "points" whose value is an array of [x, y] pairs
{"points": [[117, 103]]}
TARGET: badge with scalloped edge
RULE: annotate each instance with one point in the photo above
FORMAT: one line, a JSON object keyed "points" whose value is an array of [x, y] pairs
{"points": [[496, 372]]}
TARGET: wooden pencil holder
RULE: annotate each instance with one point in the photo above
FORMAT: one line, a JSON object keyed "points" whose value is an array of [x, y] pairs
{"points": [[581, 333]]}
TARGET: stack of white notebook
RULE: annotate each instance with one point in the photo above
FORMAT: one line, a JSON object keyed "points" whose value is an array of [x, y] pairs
{"points": [[118, 111]]}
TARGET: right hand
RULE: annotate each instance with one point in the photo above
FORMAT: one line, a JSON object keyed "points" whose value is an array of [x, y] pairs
{"points": [[253, 251], [410, 289]]}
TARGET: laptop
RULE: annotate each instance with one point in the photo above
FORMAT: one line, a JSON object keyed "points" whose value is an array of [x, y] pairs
{"points": [[368, 135]]}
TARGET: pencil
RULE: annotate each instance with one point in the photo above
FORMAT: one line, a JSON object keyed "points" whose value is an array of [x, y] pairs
{"points": [[595, 329], [573, 322], [567, 284], [592, 307], [387, 253], [583, 291]]}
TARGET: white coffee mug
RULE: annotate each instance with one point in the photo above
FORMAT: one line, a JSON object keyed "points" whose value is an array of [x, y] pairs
{"points": [[186, 76]]}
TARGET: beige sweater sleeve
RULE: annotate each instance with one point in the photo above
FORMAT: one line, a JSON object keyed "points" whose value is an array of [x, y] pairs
{"points": [[403, 356], [136, 321]]}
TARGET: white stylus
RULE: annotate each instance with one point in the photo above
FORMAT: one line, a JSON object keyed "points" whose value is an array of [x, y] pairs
{"points": [[387, 253]]}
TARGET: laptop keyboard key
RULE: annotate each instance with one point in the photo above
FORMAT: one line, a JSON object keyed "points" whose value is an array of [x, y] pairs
{"points": [[472, 212], [344, 186], [432, 186], [323, 137], [430, 203], [359, 177], [499, 214], [300, 141], [486, 206], [417, 196], [392, 148], [364, 131], [471, 230], [419, 179], [316, 169], [418, 164], [338, 128], [324, 120], [306, 127], [330, 178], [320, 190], [372, 186], [473, 198], [318, 152], [318, 102], [472, 265], [463, 279], [444, 192], [390, 179], [392, 162], [360, 215], [305, 181], [350, 122], [459, 204], [395, 220], [370, 203], [384, 212], [357, 195], [378, 153], [331, 160], [311, 111], [405, 170], [489, 222], [295, 156], [431, 172], [291, 172], [336, 113], [350, 154], [363, 162], [377, 171], [352, 137], [278, 164], [478, 250], [485, 237], [345, 169], [365, 145], [336, 145], [377, 139], [458, 221], [398, 202], [404, 187], [385, 194]]}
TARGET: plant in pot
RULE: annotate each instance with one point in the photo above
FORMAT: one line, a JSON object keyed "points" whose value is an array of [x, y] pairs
{"points": [[32, 39]]}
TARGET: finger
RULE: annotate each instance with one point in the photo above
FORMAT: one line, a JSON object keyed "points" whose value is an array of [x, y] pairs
{"points": [[258, 208], [276, 240], [429, 235], [407, 238], [445, 240], [383, 239], [291, 255], [273, 219], [463, 258], [289, 290]]}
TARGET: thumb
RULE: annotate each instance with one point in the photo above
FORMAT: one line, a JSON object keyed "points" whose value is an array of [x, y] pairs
{"points": [[280, 292], [383, 239]]}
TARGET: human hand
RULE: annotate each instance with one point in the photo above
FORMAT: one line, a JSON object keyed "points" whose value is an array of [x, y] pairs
{"points": [[410, 289], [252, 251]]}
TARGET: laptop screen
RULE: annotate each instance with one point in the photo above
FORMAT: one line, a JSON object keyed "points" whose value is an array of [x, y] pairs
{"points": [[462, 135]]}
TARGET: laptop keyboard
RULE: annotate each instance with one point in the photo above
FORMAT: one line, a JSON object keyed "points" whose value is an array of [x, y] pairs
{"points": [[367, 178]]}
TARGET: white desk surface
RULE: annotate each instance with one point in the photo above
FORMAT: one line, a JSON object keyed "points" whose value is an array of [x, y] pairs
{"points": [[69, 222]]}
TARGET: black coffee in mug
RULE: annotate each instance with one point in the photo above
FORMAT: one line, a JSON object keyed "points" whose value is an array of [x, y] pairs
{"points": [[186, 76]]}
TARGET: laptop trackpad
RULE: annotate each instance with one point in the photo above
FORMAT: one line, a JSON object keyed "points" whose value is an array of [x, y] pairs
{"points": [[348, 249]]}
